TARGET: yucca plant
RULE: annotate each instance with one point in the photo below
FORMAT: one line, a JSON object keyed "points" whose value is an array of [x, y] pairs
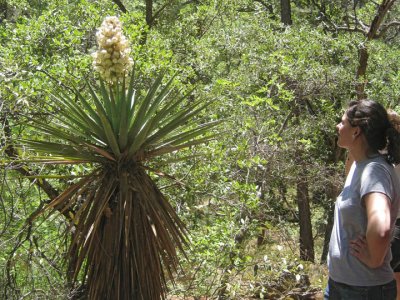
{"points": [[125, 234]]}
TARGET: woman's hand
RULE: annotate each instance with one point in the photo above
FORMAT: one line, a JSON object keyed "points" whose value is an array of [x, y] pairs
{"points": [[359, 249]]}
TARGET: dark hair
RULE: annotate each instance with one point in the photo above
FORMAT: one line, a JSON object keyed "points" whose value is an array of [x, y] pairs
{"points": [[378, 130]]}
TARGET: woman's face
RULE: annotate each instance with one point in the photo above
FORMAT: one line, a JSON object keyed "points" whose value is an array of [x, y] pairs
{"points": [[345, 133]]}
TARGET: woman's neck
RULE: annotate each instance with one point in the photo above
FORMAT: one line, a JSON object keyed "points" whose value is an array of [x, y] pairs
{"points": [[361, 150], [362, 154]]}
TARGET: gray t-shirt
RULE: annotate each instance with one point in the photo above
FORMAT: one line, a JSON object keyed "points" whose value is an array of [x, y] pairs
{"points": [[350, 221]]}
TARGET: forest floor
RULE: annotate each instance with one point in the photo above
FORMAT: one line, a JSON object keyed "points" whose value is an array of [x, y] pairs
{"points": [[293, 295], [296, 294]]}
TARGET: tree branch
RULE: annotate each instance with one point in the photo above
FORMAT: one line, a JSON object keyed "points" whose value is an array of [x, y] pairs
{"points": [[11, 152], [357, 22], [158, 12], [121, 6], [385, 28], [380, 16], [346, 28], [266, 5]]}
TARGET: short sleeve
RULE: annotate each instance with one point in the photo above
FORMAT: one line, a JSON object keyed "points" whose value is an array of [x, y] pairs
{"points": [[376, 178]]}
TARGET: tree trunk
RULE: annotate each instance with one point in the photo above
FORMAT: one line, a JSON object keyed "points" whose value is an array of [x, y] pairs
{"points": [[361, 72], [149, 13], [286, 13], [371, 34], [328, 231], [306, 237], [332, 191], [3, 10]]}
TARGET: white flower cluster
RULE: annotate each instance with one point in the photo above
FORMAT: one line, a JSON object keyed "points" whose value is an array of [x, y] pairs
{"points": [[112, 59]]}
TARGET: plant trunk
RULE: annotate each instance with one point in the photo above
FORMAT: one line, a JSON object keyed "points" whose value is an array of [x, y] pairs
{"points": [[125, 243]]}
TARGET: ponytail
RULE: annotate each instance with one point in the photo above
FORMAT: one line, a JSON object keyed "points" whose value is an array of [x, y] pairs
{"points": [[393, 138]]}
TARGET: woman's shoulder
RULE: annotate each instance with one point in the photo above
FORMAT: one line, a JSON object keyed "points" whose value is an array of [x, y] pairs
{"points": [[378, 161], [378, 167]]}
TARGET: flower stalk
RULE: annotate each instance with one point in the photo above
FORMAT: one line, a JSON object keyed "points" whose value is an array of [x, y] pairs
{"points": [[112, 59]]}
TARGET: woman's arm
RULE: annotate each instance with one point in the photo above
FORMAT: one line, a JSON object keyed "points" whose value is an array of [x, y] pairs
{"points": [[372, 248]]}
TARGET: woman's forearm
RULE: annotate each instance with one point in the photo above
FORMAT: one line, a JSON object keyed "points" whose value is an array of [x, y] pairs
{"points": [[378, 241]]}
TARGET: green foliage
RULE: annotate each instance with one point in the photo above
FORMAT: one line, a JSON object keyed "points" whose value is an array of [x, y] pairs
{"points": [[31, 253], [382, 85], [281, 89]]}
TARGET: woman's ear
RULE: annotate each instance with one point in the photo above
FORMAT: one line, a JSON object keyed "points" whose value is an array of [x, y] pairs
{"points": [[356, 132]]}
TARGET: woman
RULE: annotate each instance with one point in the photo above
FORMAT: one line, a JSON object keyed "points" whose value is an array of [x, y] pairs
{"points": [[395, 248], [394, 119], [365, 211]]}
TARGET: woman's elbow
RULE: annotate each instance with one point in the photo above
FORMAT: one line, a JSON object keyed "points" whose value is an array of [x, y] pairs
{"points": [[376, 263], [380, 250]]}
